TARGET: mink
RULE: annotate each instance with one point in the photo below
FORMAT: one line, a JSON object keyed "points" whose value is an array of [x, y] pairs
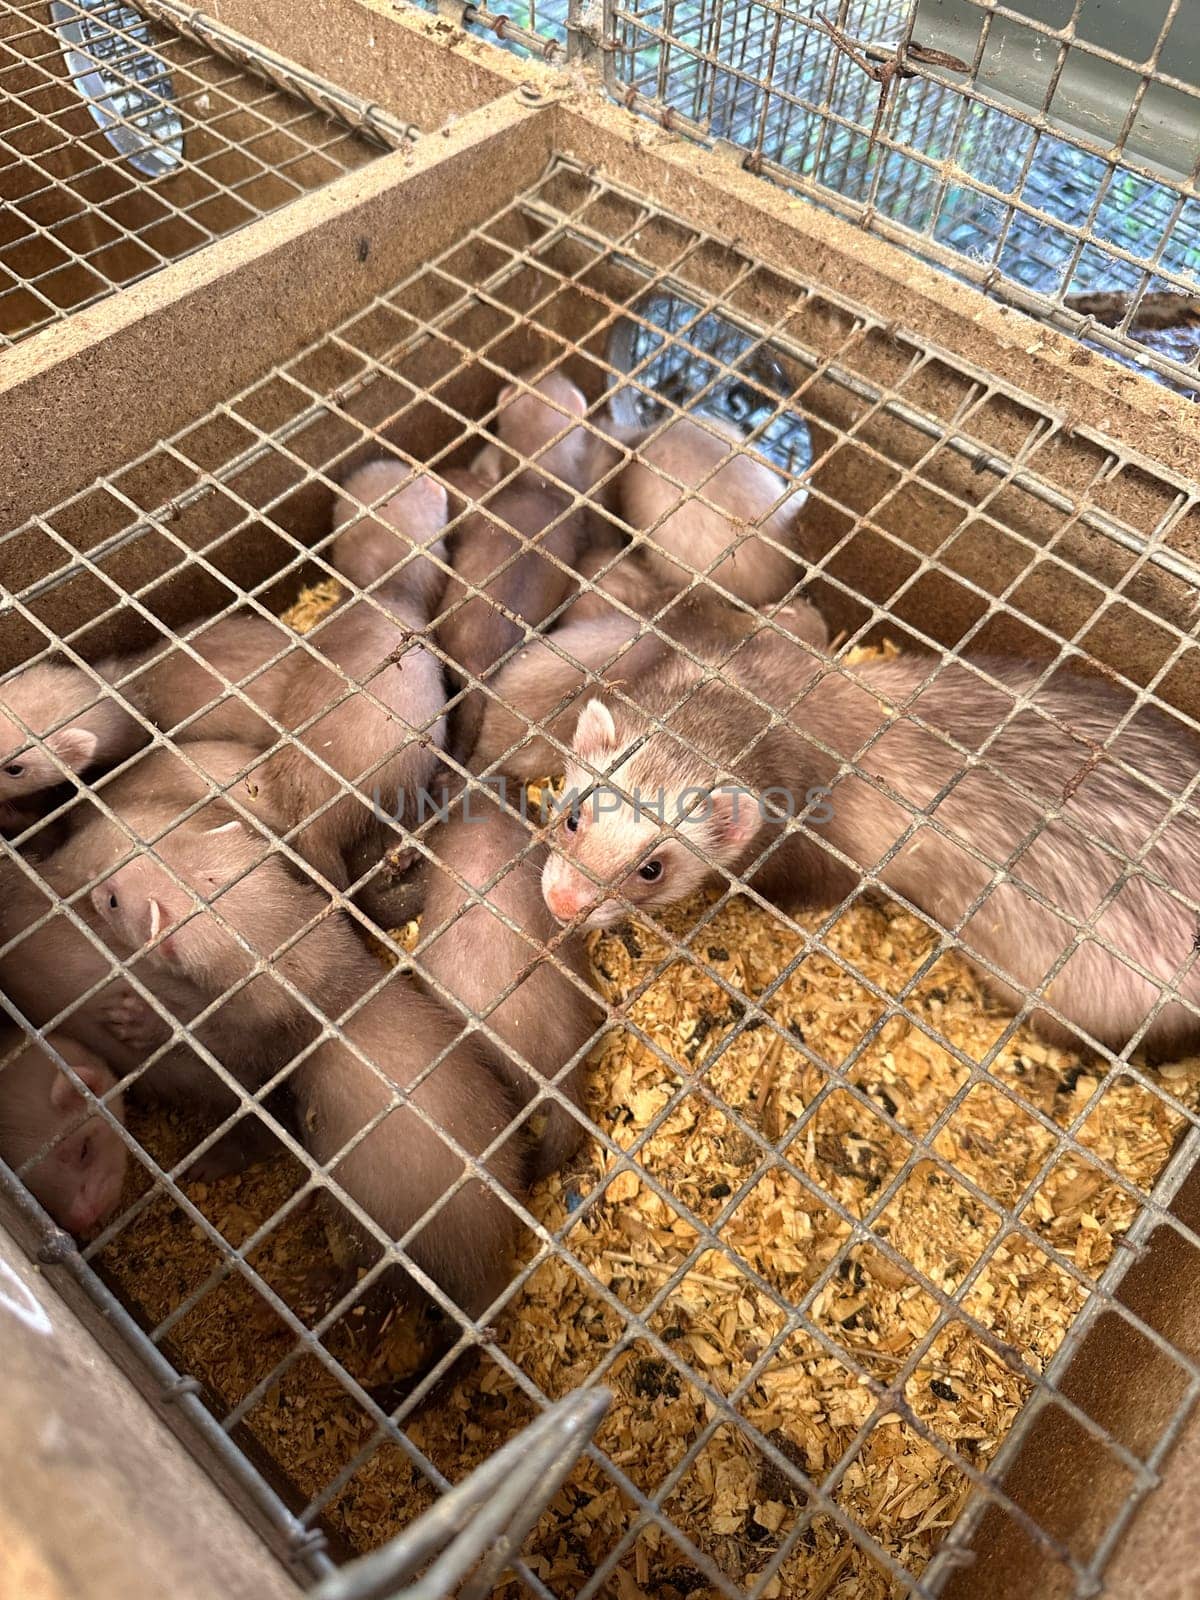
{"points": [[78, 1179], [486, 930], [1042, 828]]}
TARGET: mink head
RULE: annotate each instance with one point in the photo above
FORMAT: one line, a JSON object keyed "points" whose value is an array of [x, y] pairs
{"points": [[528, 421], [159, 900], [25, 767], [79, 1179], [648, 832]]}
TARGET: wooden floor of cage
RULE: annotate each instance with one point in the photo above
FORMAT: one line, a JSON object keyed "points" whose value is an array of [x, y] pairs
{"points": [[731, 1501]]}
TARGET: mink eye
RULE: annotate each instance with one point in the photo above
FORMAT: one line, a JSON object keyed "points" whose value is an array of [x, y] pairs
{"points": [[15, 769], [650, 870], [85, 1150], [571, 822], [112, 900]]}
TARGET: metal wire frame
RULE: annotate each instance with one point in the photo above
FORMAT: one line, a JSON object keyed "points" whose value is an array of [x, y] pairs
{"points": [[548, 29], [503, 1499], [1012, 187], [257, 132], [563, 209], [56, 1253]]}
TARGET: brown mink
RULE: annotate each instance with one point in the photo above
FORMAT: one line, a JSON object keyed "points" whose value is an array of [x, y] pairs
{"points": [[78, 1180], [363, 697], [81, 722], [514, 549], [201, 905], [708, 504], [403, 1165]]}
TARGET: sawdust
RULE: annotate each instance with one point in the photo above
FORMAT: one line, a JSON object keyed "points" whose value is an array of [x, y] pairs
{"points": [[638, 1242]]}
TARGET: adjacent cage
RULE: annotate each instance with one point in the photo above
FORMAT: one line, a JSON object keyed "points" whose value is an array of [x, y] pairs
{"points": [[130, 138], [843, 1232], [1044, 151]]}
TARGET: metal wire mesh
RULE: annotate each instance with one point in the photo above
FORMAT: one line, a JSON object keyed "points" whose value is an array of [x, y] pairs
{"points": [[1059, 164], [125, 146], [540, 28], [947, 512]]}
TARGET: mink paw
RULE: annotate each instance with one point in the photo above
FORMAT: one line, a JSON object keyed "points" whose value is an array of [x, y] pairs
{"points": [[131, 1020]]}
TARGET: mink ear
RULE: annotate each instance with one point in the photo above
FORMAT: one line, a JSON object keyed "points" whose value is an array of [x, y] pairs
{"points": [[573, 400], [432, 498], [74, 747], [97, 1078], [733, 817], [488, 465], [64, 1096], [595, 732]]}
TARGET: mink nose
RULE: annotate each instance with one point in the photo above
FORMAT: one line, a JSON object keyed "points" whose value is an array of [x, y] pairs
{"points": [[562, 902], [95, 1199], [82, 1214]]}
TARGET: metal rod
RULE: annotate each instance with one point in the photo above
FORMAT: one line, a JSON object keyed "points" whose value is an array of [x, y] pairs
{"points": [[364, 117], [482, 1519], [177, 1399]]}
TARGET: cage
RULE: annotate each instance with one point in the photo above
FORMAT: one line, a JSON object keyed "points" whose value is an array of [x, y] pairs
{"points": [[1045, 153], [1047, 156], [126, 146], [857, 1284]]}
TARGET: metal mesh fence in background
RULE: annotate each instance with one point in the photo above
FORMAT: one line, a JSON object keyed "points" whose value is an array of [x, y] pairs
{"points": [[1060, 162], [836, 1222], [126, 144], [1056, 170]]}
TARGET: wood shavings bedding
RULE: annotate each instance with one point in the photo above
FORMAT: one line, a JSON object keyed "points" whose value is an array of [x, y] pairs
{"points": [[719, 1314], [733, 1501]]}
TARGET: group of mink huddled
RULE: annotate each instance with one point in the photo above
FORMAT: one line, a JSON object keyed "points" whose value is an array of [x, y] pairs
{"points": [[612, 601]]}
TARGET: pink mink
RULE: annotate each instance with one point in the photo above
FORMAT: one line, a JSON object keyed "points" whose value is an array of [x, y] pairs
{"points": [[79, 1179], [474, 957]]}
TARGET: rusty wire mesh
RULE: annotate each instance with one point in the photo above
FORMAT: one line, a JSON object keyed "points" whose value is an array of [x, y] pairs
{"points": [[947, 512], [540, 28], [202, 134], [1057, 169]]}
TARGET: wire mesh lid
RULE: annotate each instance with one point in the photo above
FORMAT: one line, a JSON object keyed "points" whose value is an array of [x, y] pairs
{"points": [[829, 1194]]}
